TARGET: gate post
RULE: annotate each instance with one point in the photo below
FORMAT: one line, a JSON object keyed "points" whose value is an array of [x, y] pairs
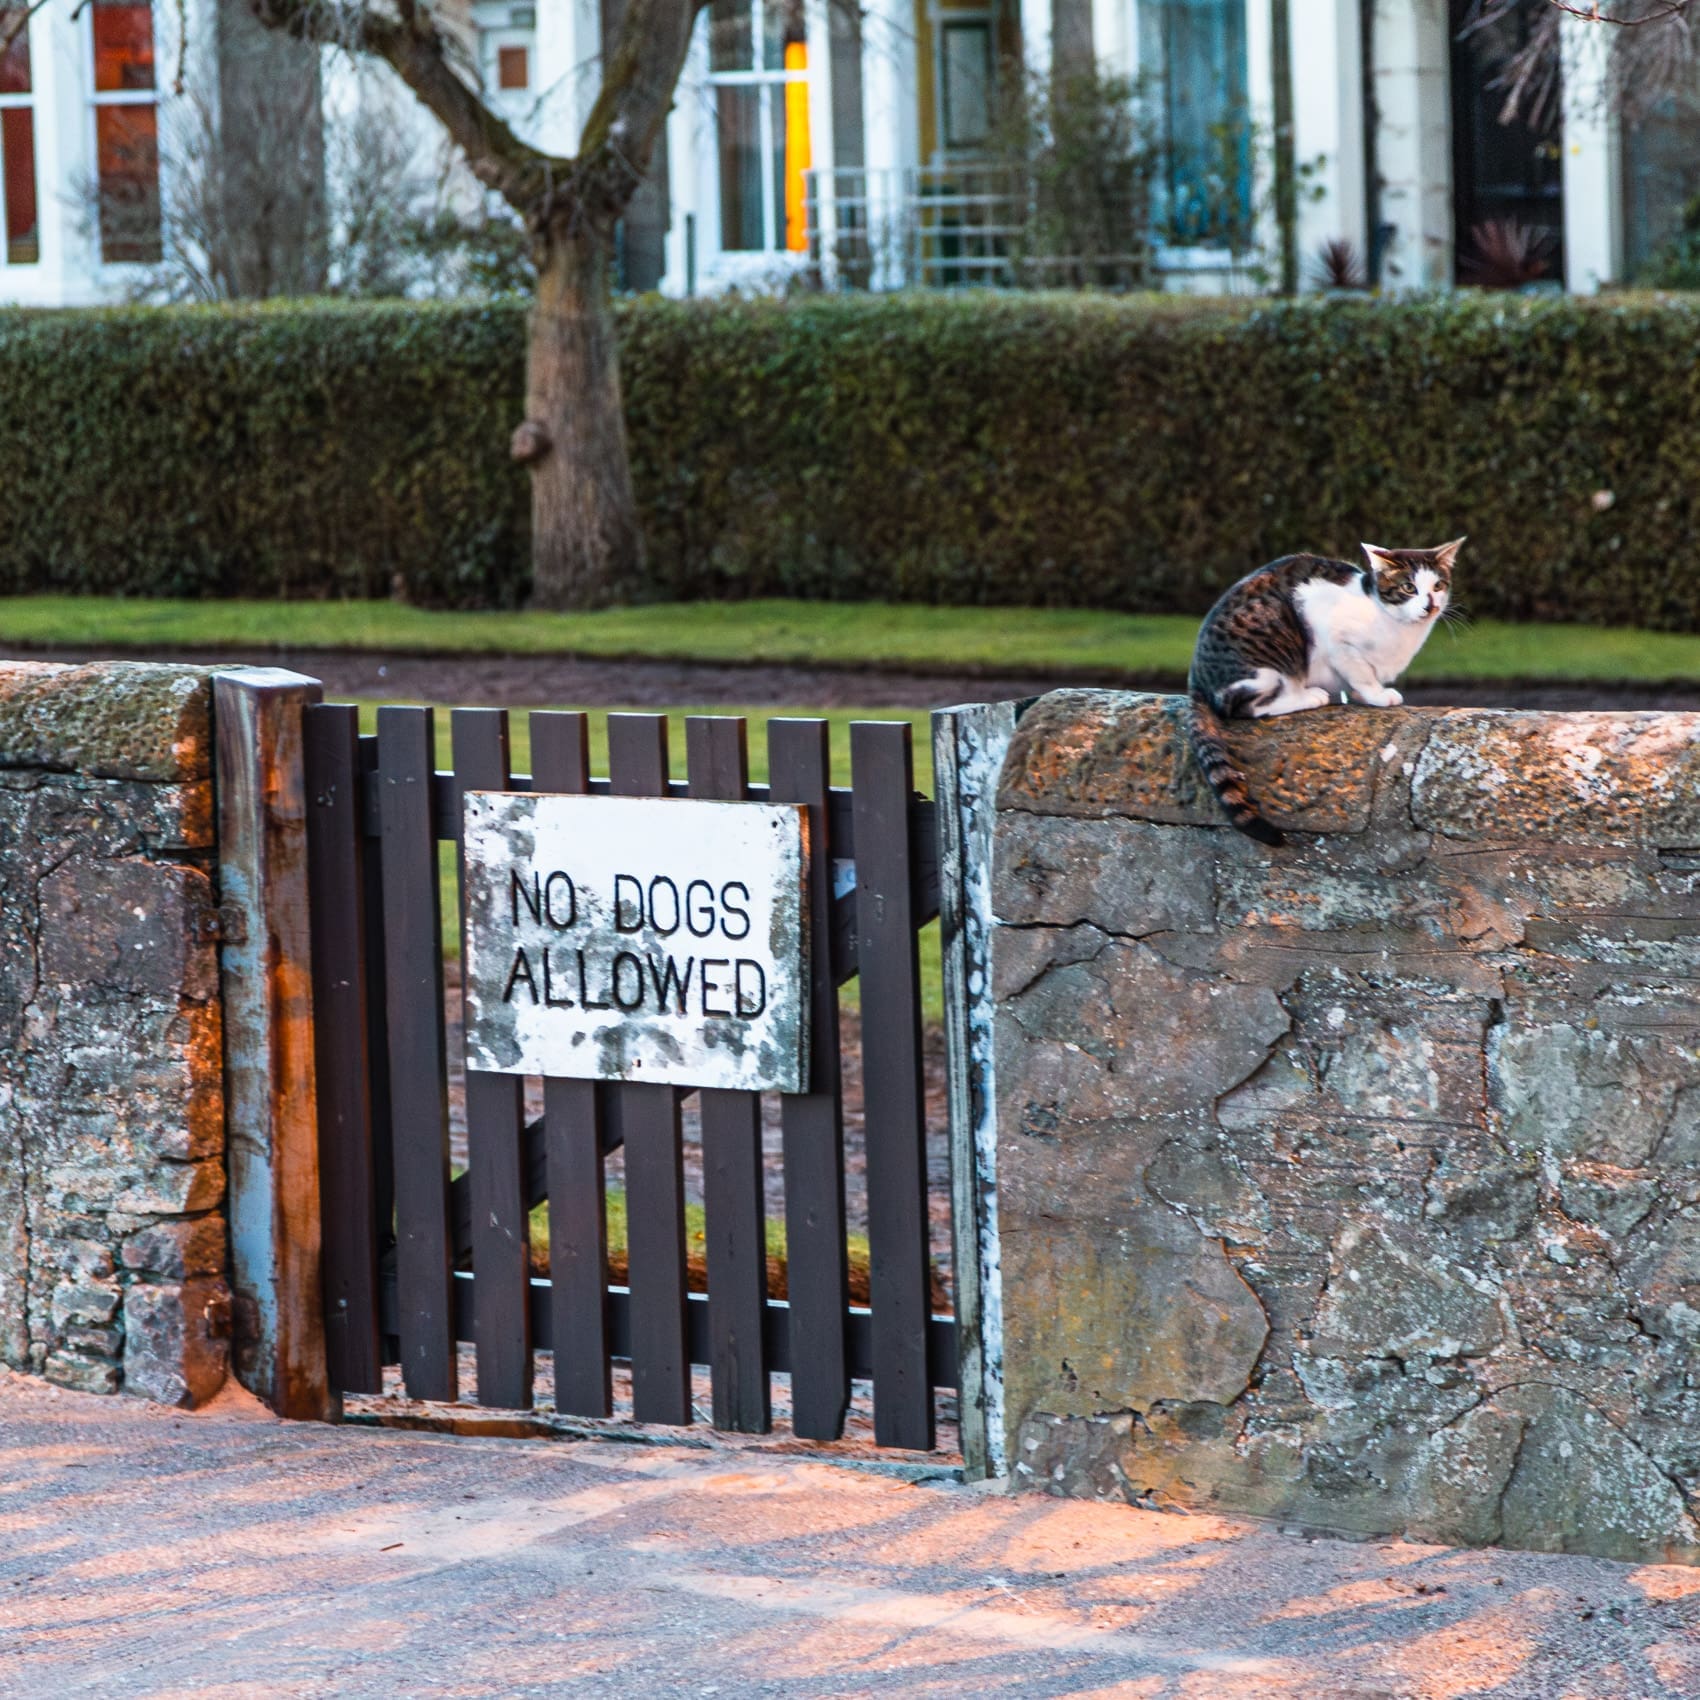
{"points": [[271, 1121], [968, 750]]}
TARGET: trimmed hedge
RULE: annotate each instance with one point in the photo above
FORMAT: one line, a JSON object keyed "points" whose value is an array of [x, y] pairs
{"points": [[1134, 454]]}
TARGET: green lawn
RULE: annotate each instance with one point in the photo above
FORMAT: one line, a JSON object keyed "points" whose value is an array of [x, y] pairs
{"points": [[696, 1230], [1061, 642]]}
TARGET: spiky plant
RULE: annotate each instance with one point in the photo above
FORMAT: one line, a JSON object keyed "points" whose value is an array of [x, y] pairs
{"points": [[1505, 253]]}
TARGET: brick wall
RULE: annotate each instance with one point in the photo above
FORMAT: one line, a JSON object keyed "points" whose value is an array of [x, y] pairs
{"points": [[1357, 1183], [113, 1247]]}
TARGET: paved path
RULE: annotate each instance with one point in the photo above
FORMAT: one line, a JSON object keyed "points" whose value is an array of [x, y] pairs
{"points": [[146, 1552]]}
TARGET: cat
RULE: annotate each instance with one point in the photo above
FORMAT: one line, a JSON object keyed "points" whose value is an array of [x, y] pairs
{"points": [[1293, 635]]}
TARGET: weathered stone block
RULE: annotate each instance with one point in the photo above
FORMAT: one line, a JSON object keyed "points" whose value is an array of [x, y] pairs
{"points": [[82, 1374], [173, 1250], [1106, 753], [1580, 1091], [85, 1257], [95, 1342], [1146, 1310], [1611, 778], [109, 719], [1362, 1189], [1386, 1298], [1581, 1484], [175, 1189], [1159, 1036], [87, 1303], [177, 1340], [1121, 876], [128, 926]]}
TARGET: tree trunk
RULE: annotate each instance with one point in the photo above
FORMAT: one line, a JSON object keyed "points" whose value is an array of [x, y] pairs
{"points": [[587, 549]]}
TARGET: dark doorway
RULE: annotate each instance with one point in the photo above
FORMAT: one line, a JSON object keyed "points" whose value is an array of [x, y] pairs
{"points": [[1507, 178]]}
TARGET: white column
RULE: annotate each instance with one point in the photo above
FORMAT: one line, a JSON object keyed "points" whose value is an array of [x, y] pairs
{"points": [[568, 71], [823, 153], [64, 160], [1328, 127], [1414, 146], [1114, 38], [1593, 182], [1260, 99], [1036, 36], [890, 129]]}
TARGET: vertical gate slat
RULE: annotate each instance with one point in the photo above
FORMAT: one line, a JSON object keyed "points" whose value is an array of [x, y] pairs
{"points": [[495, 1128], [418, 1087], [572, 1121], [882, 782], [336, 845], [717, 764], [799, 771], [655, 1180], [377, 1021]]}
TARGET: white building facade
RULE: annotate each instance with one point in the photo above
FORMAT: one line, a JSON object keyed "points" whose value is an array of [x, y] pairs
{"points": [[811, 139], [80, 96]]}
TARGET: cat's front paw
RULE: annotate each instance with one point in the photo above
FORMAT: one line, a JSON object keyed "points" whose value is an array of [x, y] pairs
{"points": [[1379, 696]]}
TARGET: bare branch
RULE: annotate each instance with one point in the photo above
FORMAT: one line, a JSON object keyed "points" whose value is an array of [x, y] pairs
{"points": [[418, 53], [1595, 14], [1652, 57], [20, 22], [624, 126]]}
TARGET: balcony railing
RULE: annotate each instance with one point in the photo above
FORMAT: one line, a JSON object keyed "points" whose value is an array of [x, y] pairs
{"points": [[941, 227]]}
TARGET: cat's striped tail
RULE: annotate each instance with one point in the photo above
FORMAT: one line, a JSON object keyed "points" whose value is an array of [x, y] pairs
{"points": [[1210, 751]]}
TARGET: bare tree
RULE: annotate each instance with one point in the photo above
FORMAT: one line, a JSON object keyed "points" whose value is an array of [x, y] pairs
{"points": [[587, 545], [1652, 56], [241, 209]]}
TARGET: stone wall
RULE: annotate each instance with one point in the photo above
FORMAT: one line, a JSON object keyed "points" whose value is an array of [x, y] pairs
{"points": [[112, 1187], [1356, 1184]]}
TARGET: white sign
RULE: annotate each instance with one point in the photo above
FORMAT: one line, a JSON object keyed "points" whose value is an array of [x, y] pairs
{"points": [[637, 938]]}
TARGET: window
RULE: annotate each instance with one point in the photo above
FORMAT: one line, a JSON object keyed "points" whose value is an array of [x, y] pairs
{"points": [[17, 144], [1661, 183], [513, 68], [965, 58], [126, 130], [1196, 54], [759, 64]]}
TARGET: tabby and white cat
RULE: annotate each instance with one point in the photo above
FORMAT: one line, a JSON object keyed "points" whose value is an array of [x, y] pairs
{"points": [[1296, 633]]}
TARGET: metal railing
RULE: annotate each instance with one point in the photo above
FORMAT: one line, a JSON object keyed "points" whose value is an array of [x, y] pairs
{"points": [[942, 227]]}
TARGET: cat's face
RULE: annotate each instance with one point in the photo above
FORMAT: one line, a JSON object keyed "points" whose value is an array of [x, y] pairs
{"points": [[1414, 584]]}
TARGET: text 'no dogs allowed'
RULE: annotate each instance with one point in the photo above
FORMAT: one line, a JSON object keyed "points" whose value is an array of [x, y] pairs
{"points": [[626, 938]]}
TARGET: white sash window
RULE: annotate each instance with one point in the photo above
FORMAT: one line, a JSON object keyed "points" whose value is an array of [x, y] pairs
{"points": [[18, 210], [126, 129], [759, 67]]}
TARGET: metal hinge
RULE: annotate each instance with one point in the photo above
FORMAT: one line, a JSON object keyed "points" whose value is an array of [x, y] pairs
{"points": [[228, 924]]}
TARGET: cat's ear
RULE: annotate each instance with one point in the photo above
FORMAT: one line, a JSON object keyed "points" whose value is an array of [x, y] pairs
{"points": [[1379, 558], [1447, 553]]}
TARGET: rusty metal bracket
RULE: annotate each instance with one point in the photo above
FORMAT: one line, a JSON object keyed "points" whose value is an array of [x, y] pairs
{"points": [[227, 924]]}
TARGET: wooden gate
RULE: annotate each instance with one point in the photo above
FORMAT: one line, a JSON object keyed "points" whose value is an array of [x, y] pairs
{"points": [[417, 1259]]}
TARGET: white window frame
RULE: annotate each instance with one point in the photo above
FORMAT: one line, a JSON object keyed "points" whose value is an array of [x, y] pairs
{"points": [[98, 98], [31, 103], [491, 41], [773, 250], [1212, 268], [942, 19]]}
